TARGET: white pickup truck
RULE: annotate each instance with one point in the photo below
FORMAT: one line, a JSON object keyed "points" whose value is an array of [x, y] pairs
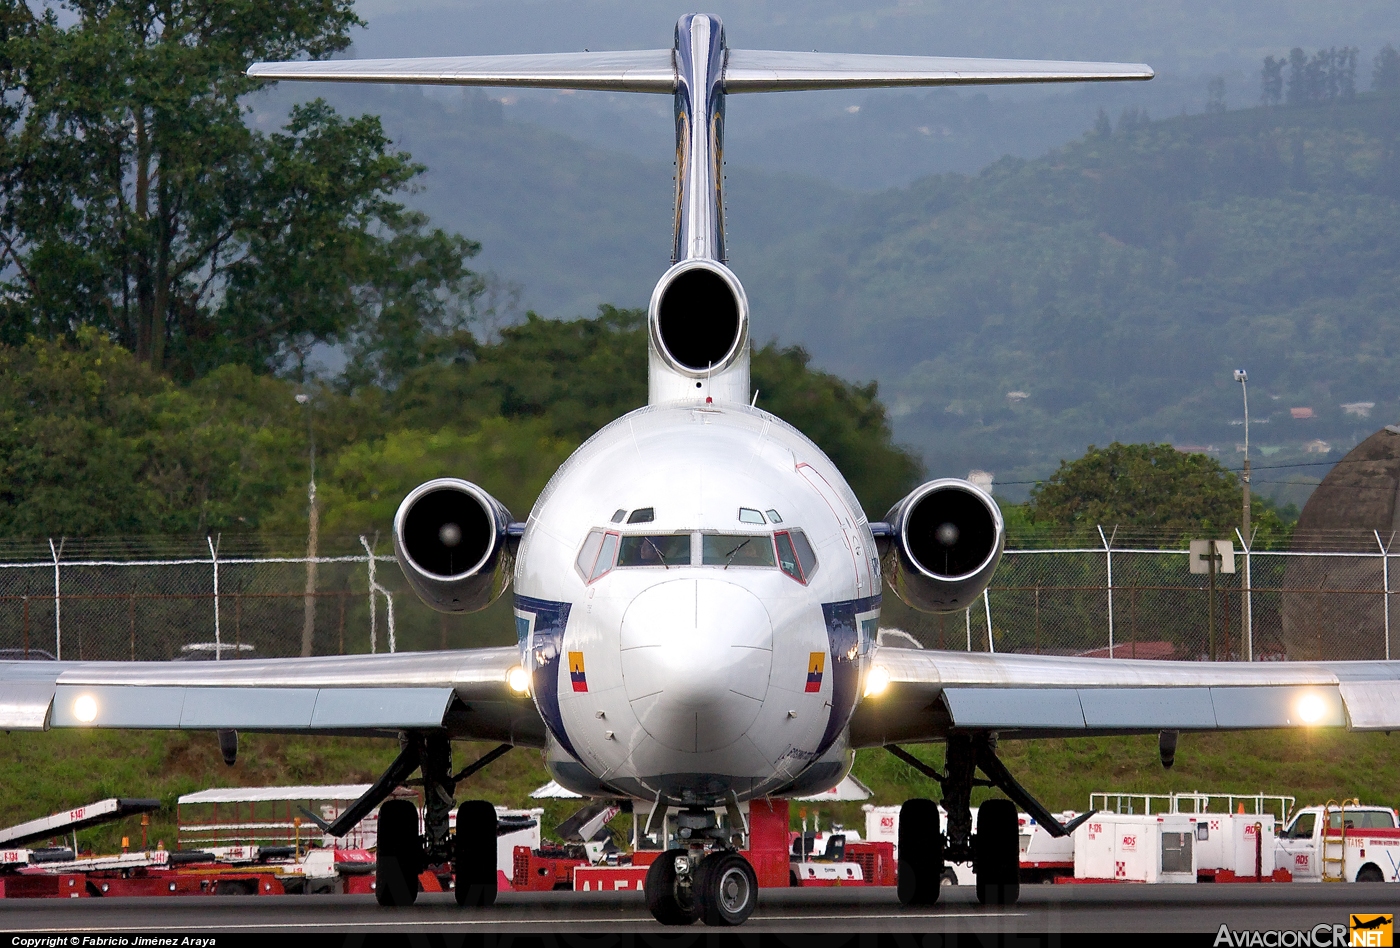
{"points": [[1341, 843]]}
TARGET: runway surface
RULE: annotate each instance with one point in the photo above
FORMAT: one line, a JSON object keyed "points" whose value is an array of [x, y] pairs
{"points": [[1045, 908]]}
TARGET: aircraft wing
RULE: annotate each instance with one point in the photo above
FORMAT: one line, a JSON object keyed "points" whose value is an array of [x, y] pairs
{"points": [[932, 693], [464, 692], [764, 70]]}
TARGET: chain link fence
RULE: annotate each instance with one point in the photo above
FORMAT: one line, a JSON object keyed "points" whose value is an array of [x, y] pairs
{"points": [[1134, 601], [160, 599]]}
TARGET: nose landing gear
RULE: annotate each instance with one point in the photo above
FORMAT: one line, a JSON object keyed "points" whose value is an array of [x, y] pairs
{"points": [[719, 888]]}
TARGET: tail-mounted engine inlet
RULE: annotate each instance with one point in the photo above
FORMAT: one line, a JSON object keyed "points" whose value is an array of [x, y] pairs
{"points": [[452, 542], [944, 542], [699, 328]]}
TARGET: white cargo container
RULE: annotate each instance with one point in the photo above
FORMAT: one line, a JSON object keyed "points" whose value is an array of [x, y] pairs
{"points": [[1123, 847], [1229, 843], [1043, 857]]}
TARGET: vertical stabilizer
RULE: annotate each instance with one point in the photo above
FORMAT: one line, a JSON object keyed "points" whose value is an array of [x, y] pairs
{"points": [[699, 314]]}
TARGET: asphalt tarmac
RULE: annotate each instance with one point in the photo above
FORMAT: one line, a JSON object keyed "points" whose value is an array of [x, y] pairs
{"points": [[1042, 909]]}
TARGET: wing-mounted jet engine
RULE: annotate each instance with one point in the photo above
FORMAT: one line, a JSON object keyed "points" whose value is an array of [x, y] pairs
{"points": [[941, 544], [455, 545]]}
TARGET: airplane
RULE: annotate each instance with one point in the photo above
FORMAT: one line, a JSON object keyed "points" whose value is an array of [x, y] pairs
{"points": [[697, 591]]}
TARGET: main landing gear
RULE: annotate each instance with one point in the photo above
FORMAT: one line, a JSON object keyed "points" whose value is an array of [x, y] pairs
{"points": [[718, 887], [402, 853], [994, 850]]}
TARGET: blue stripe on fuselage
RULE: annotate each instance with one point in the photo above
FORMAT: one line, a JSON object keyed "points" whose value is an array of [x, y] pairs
{"points": [[545, 649], [848, 642]]}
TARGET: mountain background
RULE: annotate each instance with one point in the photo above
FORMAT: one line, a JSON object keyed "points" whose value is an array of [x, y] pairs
{"points": [[964, 246]]}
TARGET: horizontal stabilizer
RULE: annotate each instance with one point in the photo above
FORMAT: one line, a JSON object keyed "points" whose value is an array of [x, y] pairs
{"points": [[645, 70], [763, 70], [652, 70]]}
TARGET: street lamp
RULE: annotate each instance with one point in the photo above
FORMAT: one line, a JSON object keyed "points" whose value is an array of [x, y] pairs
{"points": [[308, 626]]}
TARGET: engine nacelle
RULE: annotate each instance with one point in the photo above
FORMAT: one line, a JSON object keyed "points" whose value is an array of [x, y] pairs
{"points": [[452, 542], [699, 327], [945, 540]]}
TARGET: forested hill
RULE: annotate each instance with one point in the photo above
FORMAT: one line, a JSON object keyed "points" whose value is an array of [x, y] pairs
{"points": [[1106, 290]]}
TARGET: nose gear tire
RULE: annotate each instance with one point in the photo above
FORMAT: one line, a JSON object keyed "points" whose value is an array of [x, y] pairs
{"points": [[669, 902], [399, 857], [474, 854], [920, 871], [726, 889], [997, 853]]}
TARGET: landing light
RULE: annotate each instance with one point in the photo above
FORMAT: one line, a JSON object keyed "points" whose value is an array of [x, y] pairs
{"points": [[85, 709], [518, 679], [877, 681], [1311, 708]]}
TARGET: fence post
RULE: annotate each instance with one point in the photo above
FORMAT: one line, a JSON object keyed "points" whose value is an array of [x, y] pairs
{"points": [[131, 617], [1249, 600], [987, 605], [1385, 580], [1108, 553], [26, 628], [57, 603], [968, 614], [373, 617], [214, 558], [1037, 619]]}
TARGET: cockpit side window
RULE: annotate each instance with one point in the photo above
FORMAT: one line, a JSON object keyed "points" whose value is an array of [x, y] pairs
{"points": [[787, 556], [722, 549], [806, 558], [589, 554], [666, 550], [606, 555]]}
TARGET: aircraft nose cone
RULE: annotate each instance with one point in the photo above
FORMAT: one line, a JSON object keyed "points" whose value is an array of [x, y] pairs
{"points": [[696, 659]]}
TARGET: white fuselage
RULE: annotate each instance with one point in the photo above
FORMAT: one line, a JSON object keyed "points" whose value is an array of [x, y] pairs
{"points": [[671, 673]]}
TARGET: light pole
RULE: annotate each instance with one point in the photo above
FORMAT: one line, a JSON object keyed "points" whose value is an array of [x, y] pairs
{"points": [[308, 626], [1246, 539], [1242, 377]]}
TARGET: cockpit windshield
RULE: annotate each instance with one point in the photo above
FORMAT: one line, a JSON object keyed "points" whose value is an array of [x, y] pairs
{"points": [[668, 551], [787, 550], [724, 549]]}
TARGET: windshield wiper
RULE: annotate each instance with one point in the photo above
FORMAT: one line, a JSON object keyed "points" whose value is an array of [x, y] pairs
{"points": [[657, 550], [735, 552]]}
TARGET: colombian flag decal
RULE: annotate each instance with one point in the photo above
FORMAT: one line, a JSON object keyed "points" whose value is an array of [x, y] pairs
{"points": [[816, 664], [576, 671]]}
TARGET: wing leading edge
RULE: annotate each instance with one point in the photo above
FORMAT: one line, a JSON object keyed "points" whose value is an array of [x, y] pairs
{"points": [[463, 692], [931, 694]]}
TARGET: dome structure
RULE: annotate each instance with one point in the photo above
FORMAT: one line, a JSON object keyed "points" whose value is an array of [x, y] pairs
{"points": [[1333, 607]]}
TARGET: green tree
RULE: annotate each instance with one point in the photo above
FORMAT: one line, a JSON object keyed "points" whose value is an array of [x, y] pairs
{"points": [[513, 459], [577, 376], [94, 443], [1147, 485], [135, 198]]}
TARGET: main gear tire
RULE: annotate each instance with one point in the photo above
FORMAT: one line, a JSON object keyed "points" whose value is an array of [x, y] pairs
{"points": [[670, 899], [919, 878], [474, 855], [997, 853], [726, 889], [399, 855]]}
